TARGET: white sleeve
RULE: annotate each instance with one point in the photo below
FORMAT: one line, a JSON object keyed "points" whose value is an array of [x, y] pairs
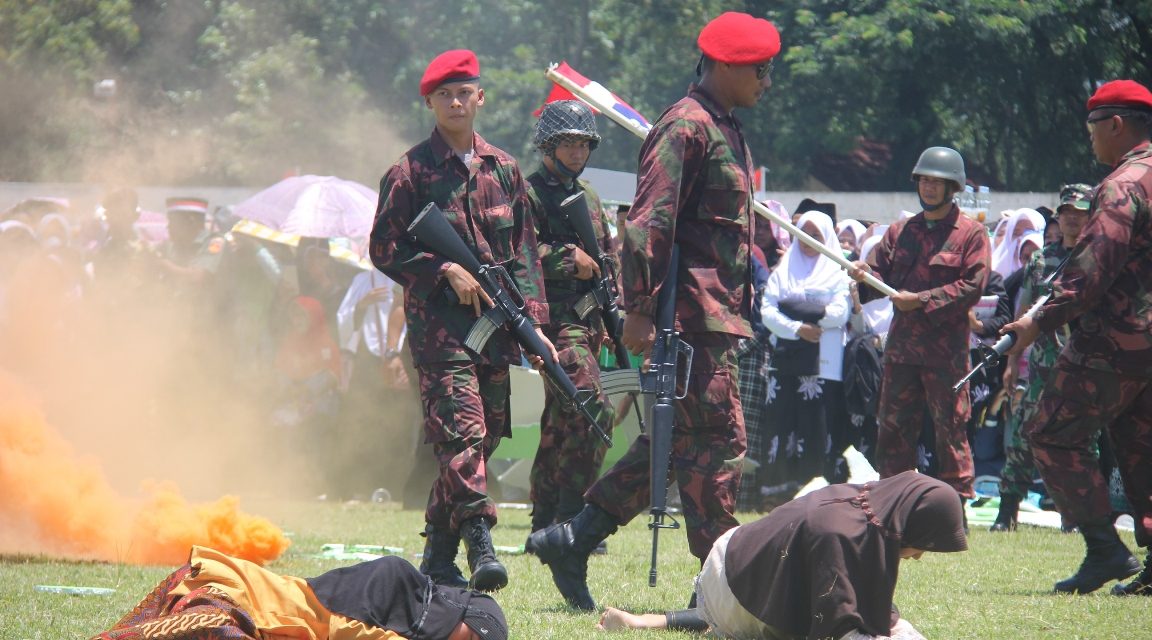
{"points": [[837, 312], [779, 324], [902, 630]]}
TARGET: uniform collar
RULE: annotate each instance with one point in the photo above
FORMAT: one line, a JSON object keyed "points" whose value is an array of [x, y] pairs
{"points": [[948, 220], [706, 100], [442, 152]]}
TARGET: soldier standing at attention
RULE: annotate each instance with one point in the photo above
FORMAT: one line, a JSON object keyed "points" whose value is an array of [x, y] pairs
{"points": [[937, 260], [464, 394], [1103, 378], [570, 453], [694, 191]]}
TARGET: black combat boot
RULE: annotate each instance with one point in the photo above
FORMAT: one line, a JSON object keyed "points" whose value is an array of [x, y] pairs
{"points": [[439, 563], [1141, 585], [1107, 559], [571, 503], [542, 516], [565, 548], [487, 572], [1006, 518]]}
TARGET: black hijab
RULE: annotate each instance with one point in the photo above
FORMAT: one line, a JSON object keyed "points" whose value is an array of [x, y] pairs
{"points": [[826, 563], [391, 594]]}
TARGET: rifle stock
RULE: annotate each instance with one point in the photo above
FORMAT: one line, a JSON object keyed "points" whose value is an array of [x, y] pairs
{"points": [[432, 230]]}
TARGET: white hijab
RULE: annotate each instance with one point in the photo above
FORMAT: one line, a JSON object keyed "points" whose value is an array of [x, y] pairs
{"points": [[858, 229], [798, 273], [1006, 256]]}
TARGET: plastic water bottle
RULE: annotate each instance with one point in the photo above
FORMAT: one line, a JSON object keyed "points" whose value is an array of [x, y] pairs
{"points": [[983, 203], [966, 200]]}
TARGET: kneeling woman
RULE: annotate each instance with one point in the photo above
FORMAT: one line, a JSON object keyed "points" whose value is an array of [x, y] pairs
{"points": [[821, 566], [217, 597]]}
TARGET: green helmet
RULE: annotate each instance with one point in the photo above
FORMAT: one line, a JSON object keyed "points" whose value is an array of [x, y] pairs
{"points": [[941, 162], [565, 120]]}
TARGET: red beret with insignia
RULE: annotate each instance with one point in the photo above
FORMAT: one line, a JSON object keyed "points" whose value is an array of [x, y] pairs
{"points": [[1125, 94], [738, 38], [457, 65]]}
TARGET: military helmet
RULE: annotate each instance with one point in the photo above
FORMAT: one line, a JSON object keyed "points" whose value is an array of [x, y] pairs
{"points": [[941, 162], [566, 120]]}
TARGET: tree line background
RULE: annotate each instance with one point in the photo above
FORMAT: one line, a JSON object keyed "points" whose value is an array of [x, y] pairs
{"points": [[241, 92]]}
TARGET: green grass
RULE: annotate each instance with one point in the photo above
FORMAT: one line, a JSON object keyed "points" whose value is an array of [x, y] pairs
{"points": [[1000, 588]]}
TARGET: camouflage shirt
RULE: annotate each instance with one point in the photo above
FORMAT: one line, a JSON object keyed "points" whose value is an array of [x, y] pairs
{"points": [[485, 203], [1105, 284], [556, 238], [1046, 349], [695, 190], [947, 263]]}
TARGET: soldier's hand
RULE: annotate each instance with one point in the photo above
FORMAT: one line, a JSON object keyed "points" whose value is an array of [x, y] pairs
{"points": [[586, 267], [467, 289], [536, 361], [1026, 333], [639, 334]]}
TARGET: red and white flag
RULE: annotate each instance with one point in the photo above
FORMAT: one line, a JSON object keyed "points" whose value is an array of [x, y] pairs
{"points": [[597, 97]]}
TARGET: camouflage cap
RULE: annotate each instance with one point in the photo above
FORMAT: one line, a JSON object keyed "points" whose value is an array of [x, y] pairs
{"points": [[1077, 196]]}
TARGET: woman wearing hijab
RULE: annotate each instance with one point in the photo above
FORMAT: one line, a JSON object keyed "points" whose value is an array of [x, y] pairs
{"points": [[806, 306], [821, 566], [1004, 256], [850, 233], [218, 597]]}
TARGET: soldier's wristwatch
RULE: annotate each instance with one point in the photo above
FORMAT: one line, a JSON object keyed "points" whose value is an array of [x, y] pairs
{"points": [[924, 297], [391, 353]]}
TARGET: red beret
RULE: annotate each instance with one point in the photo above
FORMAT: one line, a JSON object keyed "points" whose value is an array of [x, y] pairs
{"points": [[457, 65], [1121, 93], [738, 38]]}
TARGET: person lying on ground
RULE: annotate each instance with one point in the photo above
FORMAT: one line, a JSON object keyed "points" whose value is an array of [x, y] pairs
{"points": [[218, 597], [821, 566]]}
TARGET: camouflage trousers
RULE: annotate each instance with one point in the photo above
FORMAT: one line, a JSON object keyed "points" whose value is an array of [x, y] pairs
{"points": [[906, 392], [570, 453], [1077, 403], [708, 446], [465, 415], [1019, 470]]}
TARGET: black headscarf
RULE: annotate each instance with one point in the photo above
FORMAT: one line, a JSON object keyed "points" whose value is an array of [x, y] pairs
{"points": [[391, 594], [826, 563]]}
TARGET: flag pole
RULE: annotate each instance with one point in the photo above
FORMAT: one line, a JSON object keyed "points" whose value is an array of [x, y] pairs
{"points": [[598, 103]]}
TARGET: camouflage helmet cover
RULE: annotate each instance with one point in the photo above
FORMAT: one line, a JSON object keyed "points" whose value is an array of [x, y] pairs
{"points": [[566, 120]]}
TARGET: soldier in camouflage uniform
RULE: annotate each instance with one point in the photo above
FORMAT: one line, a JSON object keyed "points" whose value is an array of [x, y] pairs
{"points": [[938, 261], [570, 453], [695, 191], [1016, 477], [1103, 378], [464, 394]]}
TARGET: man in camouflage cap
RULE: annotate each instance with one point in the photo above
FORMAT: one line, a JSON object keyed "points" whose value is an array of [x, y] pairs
{"points": [[694, 191], [570, 453], [1019, 468], [465, 394], [1103, 377]]}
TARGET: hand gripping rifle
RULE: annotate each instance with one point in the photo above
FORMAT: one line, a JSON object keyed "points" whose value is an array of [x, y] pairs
{"points": [[989, 356], [603, 295], [432, 230], [660, 380]]}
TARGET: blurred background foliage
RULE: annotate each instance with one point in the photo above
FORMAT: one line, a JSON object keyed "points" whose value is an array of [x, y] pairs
{"points": [[241, 92]]}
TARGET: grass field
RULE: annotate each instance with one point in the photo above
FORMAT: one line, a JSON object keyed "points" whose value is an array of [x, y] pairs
{"points": [[1000, 588]]}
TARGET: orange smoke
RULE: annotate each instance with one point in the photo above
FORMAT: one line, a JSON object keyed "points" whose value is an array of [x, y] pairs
{"points": [[56, 502]]}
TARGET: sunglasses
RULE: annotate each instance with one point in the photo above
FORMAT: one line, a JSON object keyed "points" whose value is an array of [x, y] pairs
{"points": [[764, 69]]}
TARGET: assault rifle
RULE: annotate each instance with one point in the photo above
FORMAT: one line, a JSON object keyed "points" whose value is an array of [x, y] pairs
{"points": [[432, 230], [989, 356], [661, 380], [603, 295]]}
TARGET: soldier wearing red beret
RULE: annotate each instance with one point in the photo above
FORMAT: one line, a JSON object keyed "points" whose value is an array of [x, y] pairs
{"points": [[694, 191], [464, 393], [1103, 378]]}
